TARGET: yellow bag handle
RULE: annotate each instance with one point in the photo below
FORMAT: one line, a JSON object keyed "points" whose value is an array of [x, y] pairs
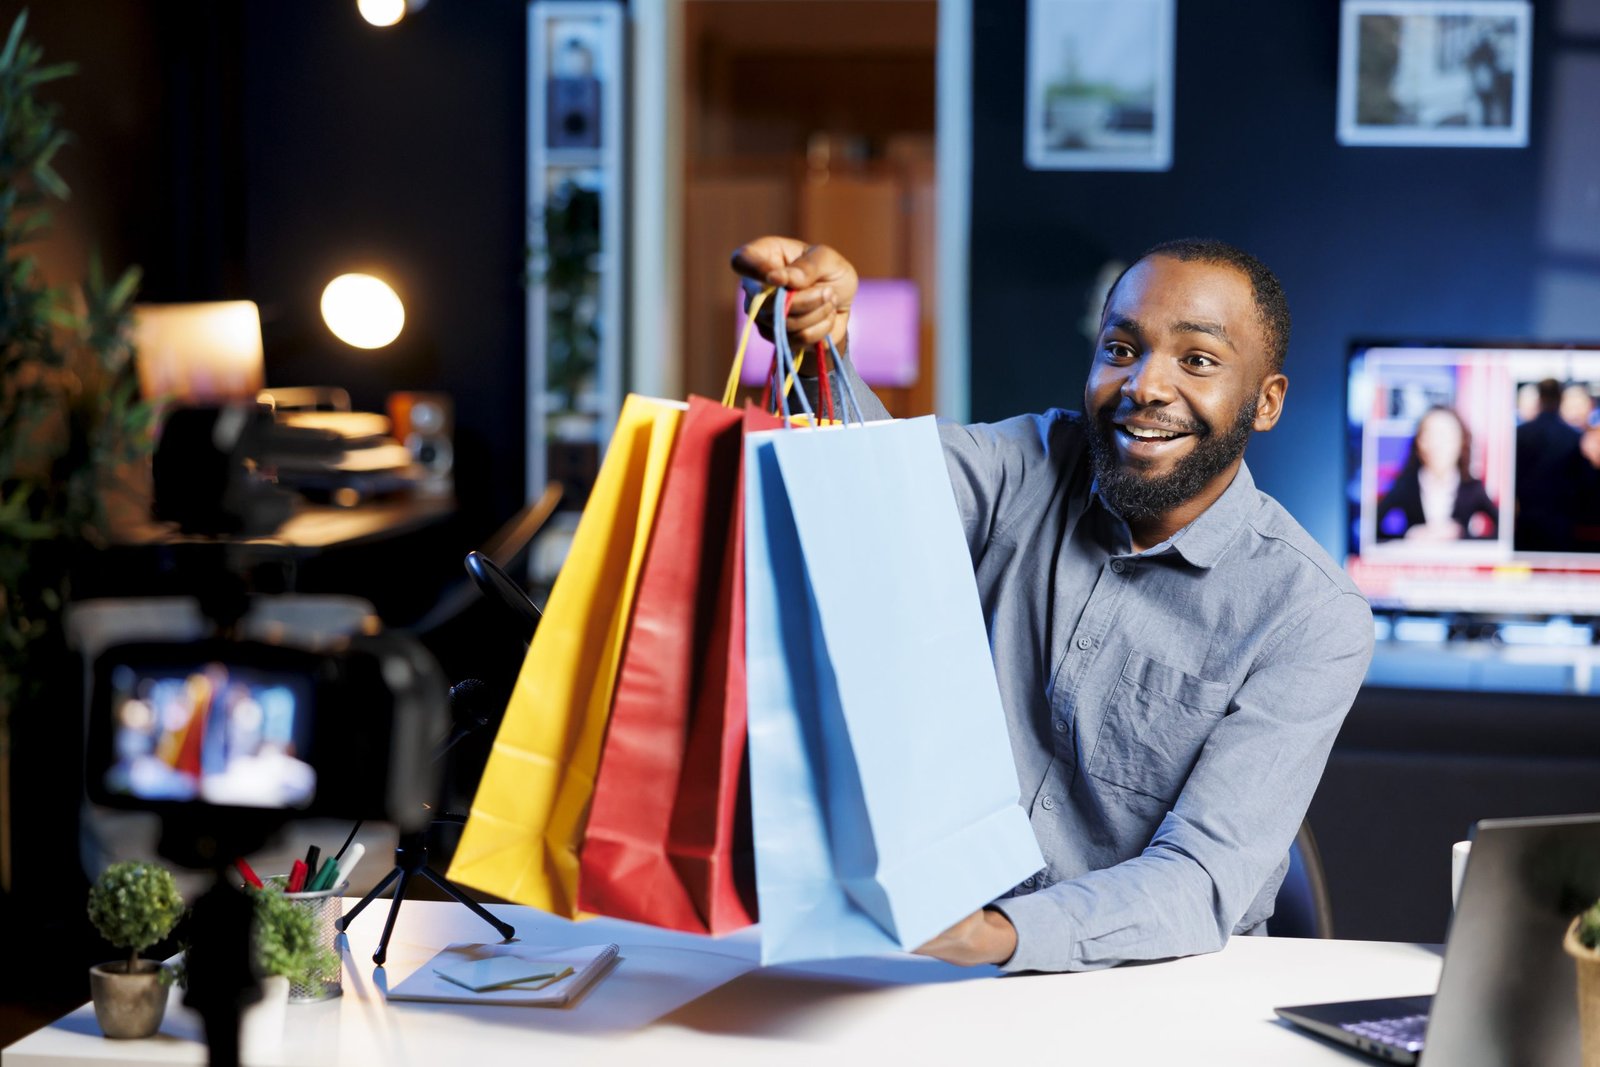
{"points": [[730, 392]]}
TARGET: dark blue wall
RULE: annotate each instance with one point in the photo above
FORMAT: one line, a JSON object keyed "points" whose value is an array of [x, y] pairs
{"points": [[400, 151], [1369, 242]]}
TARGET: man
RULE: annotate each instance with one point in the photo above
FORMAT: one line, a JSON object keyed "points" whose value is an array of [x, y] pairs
{"points": [[1175, 654], [1549, 476]]}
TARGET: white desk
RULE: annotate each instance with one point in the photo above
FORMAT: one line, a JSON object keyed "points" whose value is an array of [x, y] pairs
{"points": [[1205, 1010]]}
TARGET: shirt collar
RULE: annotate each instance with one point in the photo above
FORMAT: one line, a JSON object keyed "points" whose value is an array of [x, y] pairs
{"points": [[1203, 541]]}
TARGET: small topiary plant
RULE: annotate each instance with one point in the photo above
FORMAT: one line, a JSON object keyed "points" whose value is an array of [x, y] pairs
{"points": [[1589, 927], [134, 905], [287, 941]]}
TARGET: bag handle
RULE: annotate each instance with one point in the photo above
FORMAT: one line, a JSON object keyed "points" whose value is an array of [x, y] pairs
{"points": [[847, 391], [786, 366], [730, 392]]}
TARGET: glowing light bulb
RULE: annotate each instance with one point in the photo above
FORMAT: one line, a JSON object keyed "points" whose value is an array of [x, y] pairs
{"points": [[382, 12], [362, 310]]}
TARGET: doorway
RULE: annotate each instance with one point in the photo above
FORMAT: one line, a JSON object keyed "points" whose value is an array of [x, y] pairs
{"points": [[816, 120]]}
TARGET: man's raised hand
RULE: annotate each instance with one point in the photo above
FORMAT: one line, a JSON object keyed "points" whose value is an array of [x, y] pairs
{"points": [[822, 284]]}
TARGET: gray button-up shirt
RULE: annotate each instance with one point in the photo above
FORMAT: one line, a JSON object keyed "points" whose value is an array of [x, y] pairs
{"points": [[1170, 711]]}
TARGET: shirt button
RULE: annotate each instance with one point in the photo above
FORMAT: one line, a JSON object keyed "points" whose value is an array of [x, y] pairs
{"points": [[1061, 726], [1047, 804], [1118, 566], [1085, 643]]}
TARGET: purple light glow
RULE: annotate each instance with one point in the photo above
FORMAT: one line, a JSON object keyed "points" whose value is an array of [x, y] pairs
{"points": [[885, 335]]}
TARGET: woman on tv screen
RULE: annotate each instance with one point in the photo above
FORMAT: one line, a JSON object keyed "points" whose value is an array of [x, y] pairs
{"points": [[1435, 496]]}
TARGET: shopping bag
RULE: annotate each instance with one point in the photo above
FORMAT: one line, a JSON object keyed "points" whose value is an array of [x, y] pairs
{"points": [[709, 837], [884, 795], [626, 871], [521, 838], [664, 842]]}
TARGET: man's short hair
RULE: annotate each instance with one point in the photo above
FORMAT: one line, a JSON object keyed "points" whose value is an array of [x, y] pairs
{"points": [[1272, 307], [1549, 395]]}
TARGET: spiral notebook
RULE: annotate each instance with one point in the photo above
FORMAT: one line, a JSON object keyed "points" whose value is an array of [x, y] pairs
{"points": [[516, 974]]}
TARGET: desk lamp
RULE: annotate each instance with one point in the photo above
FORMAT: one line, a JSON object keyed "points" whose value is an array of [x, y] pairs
{"points": [[198, 353]]}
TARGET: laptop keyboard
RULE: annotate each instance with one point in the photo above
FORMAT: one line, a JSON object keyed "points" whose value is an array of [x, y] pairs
{"points": [[1404, 1032]]}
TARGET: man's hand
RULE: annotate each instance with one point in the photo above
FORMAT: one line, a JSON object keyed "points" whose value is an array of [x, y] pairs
{"points": [[822, 284], [985, 936]]}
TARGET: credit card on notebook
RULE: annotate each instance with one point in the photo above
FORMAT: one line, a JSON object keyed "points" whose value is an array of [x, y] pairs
{"points": [[497, 971]]}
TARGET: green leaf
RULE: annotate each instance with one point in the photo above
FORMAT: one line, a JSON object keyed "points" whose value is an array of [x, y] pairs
{"points": [[123, 290], [9, 55], [51, 182], [49, 74]]}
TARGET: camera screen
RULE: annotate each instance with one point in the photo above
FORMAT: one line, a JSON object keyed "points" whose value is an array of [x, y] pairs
{"points": [[217, 733]]}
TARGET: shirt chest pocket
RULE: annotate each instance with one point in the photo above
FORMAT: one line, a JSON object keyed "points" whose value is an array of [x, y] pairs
{"points": [[1156, 722]]}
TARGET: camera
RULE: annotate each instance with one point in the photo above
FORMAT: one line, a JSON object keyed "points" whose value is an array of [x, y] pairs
{"points": [[221, 733]]}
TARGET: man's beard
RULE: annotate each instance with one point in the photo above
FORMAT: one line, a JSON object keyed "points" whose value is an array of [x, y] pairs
{"points": [[1135, 496]]}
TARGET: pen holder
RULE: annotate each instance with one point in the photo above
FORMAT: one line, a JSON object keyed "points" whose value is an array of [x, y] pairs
{"points": [[324, 907]]}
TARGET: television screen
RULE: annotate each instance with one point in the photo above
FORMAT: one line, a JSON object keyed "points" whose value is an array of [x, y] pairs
{"points": [[1474, 478], [222, 734]]}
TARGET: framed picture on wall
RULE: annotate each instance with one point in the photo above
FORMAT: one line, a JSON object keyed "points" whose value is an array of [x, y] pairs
{"points": [[1100, 84], [1435, 72]]}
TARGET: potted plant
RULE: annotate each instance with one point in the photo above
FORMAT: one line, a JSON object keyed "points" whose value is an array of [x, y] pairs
{"points": [[289, 953], [565, 264], [1583, 945], [133, 905], [72, 425]]}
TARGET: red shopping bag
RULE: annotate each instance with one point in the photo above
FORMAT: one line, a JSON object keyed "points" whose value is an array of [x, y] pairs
{"points": [[625, 869], [668, 836], [709, 840]]}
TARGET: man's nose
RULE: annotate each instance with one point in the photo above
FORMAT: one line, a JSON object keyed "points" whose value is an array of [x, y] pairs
{"points": [[1149, 381]]}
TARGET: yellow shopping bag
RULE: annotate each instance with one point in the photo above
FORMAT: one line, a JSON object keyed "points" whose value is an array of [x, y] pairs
{"points": [[521, 839]]}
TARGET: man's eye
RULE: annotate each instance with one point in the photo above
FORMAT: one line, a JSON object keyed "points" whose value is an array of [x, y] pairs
{"points": [[1118, 351], [1199, 360]]}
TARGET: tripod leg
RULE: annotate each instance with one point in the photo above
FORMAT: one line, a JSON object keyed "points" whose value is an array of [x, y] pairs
{"points": [[507, 931], [388, 924], [344, 921]]}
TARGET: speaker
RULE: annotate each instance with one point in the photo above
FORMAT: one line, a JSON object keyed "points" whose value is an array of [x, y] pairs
{"points": [[425, 423]]}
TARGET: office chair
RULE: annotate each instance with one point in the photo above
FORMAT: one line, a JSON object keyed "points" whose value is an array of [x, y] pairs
{"points": [[1303, 908]]}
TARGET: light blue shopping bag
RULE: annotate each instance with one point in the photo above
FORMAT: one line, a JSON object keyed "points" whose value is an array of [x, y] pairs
{"points": [[884, 795]]}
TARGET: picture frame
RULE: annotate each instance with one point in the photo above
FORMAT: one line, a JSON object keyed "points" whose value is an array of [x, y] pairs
{"points": [[1100, 84], [1435, 73]]}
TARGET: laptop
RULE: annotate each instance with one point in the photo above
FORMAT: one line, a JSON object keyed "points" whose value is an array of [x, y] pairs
{"points": [[1507, 992]]}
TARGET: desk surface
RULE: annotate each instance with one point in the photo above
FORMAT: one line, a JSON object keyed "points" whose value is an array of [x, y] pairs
{"points": [[312, 527], [1213, 1009]]}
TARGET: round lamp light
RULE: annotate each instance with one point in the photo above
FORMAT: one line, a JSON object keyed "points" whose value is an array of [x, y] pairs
{"points": [[388, 12], [362, 310], [382, 12]]}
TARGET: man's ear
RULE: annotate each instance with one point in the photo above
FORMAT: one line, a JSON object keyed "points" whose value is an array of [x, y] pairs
{"points": [[1269, 402]]}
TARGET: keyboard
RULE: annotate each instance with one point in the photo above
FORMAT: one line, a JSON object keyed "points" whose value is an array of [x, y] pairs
{"points": [[1404, 1032]]}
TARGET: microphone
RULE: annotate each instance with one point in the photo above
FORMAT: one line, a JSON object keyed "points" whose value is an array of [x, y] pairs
{"points": [[472, 706]]}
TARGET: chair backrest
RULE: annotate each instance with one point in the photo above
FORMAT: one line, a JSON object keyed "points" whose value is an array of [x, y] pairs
{"points": [[503, 550], [1303, 908]]}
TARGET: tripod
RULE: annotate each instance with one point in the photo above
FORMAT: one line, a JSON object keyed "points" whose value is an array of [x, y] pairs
{"points": [[411, 858], [469, 703]]}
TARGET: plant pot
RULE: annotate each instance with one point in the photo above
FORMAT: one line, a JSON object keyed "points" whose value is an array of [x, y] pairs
{"points": [[261, 1024], [1587, 961], [128, 1005]]}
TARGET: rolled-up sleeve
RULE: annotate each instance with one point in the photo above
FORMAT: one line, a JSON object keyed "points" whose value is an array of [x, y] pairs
{"points": [[1231, 825]]}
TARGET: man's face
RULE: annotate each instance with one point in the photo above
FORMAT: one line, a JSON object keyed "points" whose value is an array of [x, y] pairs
{"points": [[1180, 378]]}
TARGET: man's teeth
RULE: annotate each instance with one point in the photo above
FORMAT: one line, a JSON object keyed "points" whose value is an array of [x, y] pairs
{"points": [[1150, 435]]}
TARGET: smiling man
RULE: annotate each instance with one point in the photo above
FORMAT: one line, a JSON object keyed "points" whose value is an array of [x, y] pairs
{"points": [[1175, 654]]}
